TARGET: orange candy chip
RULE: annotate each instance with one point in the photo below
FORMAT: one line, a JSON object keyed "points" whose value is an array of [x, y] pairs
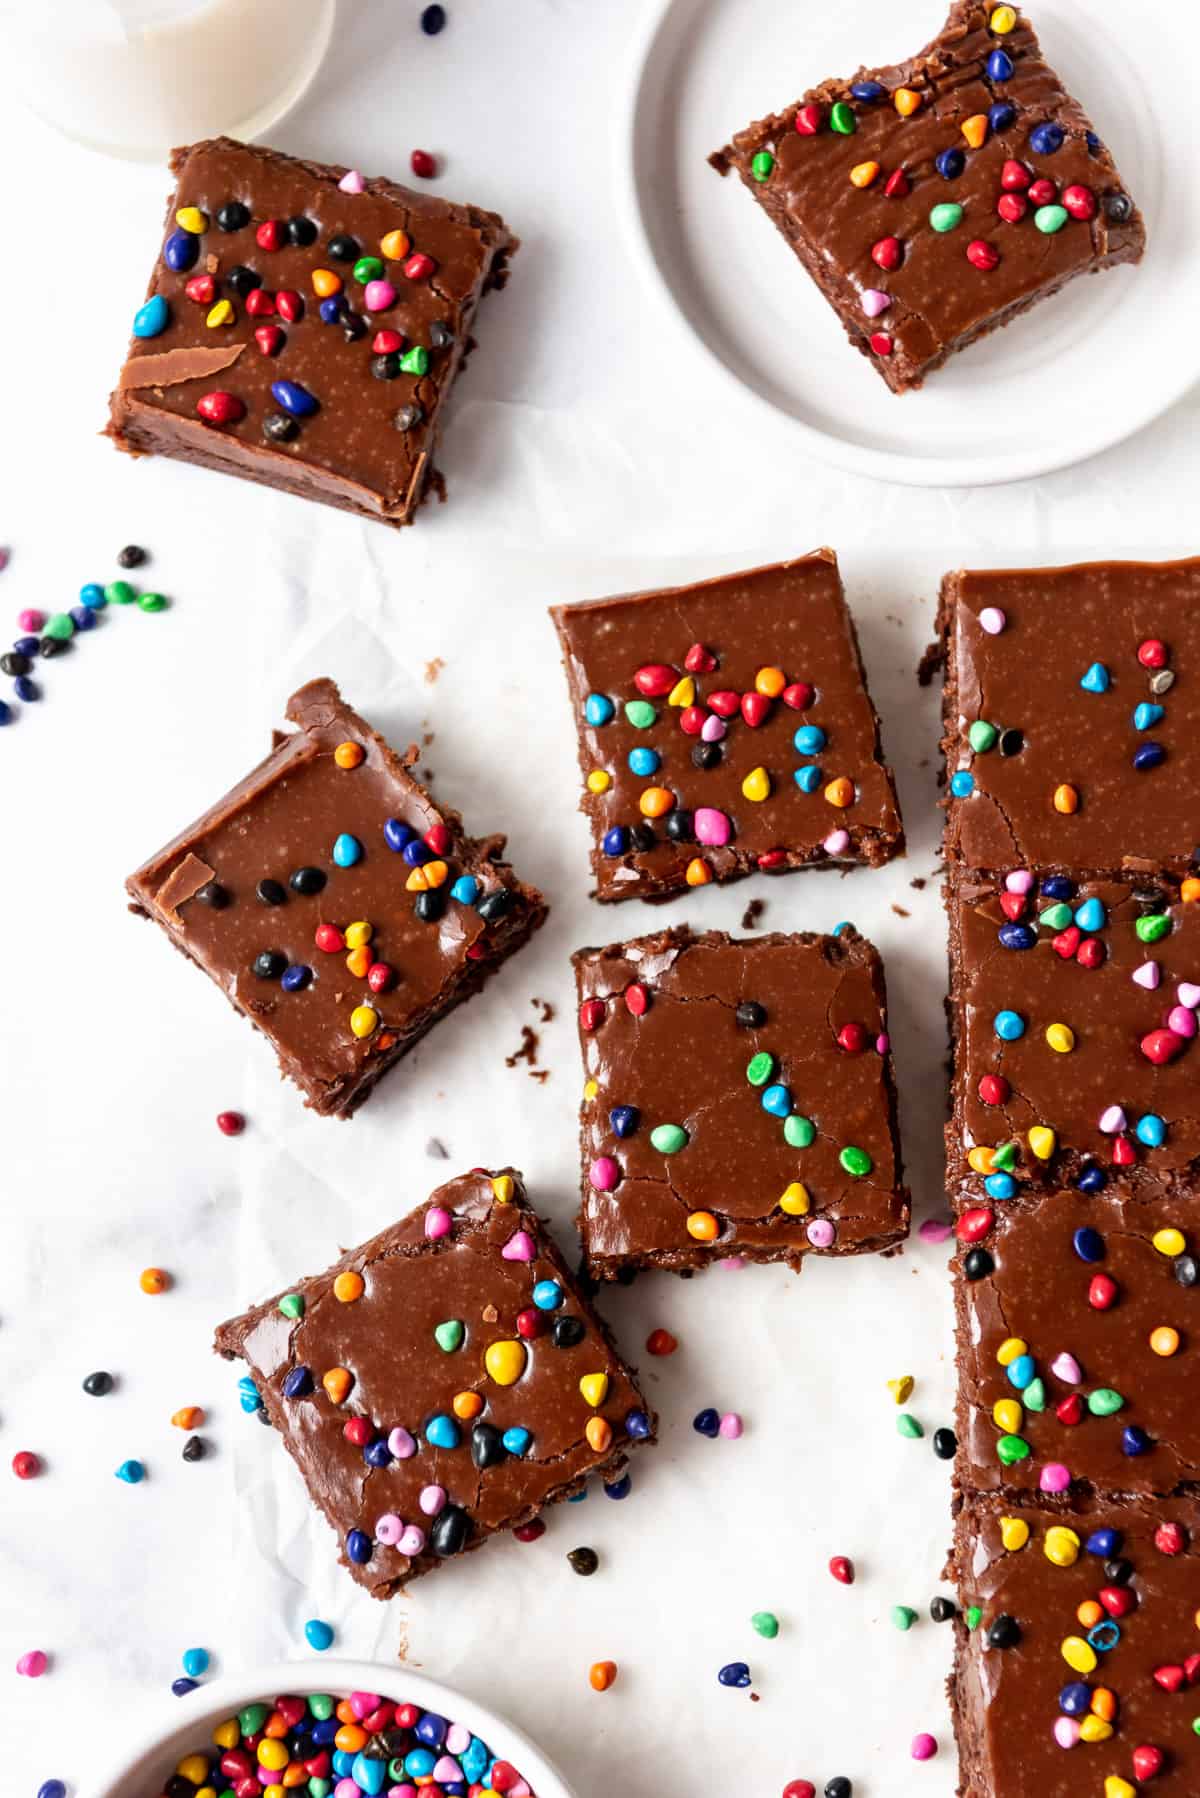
{"points": [[703, 1226], [349, 755], [190, 1418], [349, 1286], [337, 1383], [466, 1404], [601, 1675], [599, 1434]]}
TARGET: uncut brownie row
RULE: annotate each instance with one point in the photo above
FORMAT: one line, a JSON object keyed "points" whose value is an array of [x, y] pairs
{"points": [[1073, 892]]}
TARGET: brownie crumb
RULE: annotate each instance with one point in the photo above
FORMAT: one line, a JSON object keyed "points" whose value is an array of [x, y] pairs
{"points": [[900, 911], [433, 669], [528, 1051], [931, 661], [753, 913], [547, 1010], [541, 1075], [918, 881]]}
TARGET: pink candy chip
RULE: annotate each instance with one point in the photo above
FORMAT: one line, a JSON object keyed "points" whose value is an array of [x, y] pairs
{"points": [[458, 1738], [1066, 1368], [935, 1229], [875, 301], [1146, 976], [821, 1233], [924, 1746], [388, 1529], [713, 729], [837, 842], [1113, 1120], [1019, 881], [412, 1541], [604, 1174], [883, 1043], [1055, 1477], [1188, 994], [992, 620], [1066, 1732], [30, 619], [432, 1499], [519, 1247], [378, 296], [447, 1771], [33, 1664], [437, 1222], [711, 827], [351, 182], [730, 1426], [363, 1703], [401, 1445], [1182, 1020]]}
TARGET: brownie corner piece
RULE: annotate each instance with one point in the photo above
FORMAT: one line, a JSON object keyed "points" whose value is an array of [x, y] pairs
{"points": [[303, 333], [725, 729], [337, 906], [739, 1101], [934, 200], [443, 1382]]}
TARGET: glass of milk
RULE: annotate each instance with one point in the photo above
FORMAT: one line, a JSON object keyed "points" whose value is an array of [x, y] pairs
{"points": [[136, 77]]}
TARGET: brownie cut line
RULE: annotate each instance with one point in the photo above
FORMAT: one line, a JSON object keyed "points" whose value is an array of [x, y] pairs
{"points": [[337, 906]]}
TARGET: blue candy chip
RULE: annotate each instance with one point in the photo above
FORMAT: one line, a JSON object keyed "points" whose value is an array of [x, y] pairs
{"points": [[295, 978], [1057, 886], [809, 739], [548, 1295], [319, 1635], [598, 708], [298, 1383], [1000, 1186], [867, 91], [1021, 1372], [294, 399], [624, 1119], [516, 1440], [643, 761], [999, 66], [92, 594], [808, 779], [358, 1547], [181, 1687], [620, 1488], [637, 1425], [180, 251], [1152, 1130], [1095, 680], [1009, 1026], [465, 889], [442, 1432], [431, 1729], [1047, 139], [735, 1673], [331, 311], [1104, 1544], [347, 850], [1149, 755], [707, 1422], [1075, 1700], [1017, 936], [962, 784], [26, 689], [396, 834], [950, 164], [615, 841], [416, 853], [1091, 1178], [419, 1761], [1088, 1243], [1134, 1441], [1090, 915], [343, 1760], [778, 1101], [377, 1453], [369, 1774], [152, 318], [1146, 716], [1001, 115], [248, 1394]]}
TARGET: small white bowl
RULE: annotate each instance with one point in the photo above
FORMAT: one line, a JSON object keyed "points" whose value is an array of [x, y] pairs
{"points": [[170, 1733]]}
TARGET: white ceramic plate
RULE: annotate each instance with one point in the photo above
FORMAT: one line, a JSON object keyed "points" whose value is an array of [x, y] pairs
{"points": [[1080, 372], [160, 1741]]}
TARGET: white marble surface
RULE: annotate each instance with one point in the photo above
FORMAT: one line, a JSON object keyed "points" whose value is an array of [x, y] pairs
{"points": [[588, 453]]}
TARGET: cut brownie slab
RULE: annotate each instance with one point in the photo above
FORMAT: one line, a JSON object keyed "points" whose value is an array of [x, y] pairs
{"points": [[739, 1101], [335, 904], [443, 1382], [1069, 721], [933, 201], [1077, 1677], [304, 326], [1074, 1011], [725, 728], [1078, 1332]]}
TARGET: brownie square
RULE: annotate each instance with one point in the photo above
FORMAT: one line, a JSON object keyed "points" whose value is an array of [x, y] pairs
{"points": [[454, 1362], [935, 200], [1077, 1342], [303, 335], [1069, 725], [1073, 1011], [1113, 1720], [739, 1101], [335, 904], [725, 728]]}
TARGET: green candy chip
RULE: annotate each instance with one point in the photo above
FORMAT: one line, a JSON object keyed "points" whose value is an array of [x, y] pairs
{"points": [[946, 216], [449, 1335], [761, 165], [1153, 928], [766, 1623], [799, 1132], [640, 713], [982, 736], [855, 1161], [1011, 1449], [907, 1426], [760, 1068], [292, 1304], [668, 1139]]}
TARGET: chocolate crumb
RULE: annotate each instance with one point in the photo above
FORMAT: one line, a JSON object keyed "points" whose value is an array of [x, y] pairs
{"points": [[547, 1009], [528, 1051], [753, 913], [900, 911], [931, 661], [918, 881], [541, 1075]]}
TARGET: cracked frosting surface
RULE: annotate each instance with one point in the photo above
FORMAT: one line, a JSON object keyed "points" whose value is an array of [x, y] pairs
{"points": [[401, 1376], [684, 1061]]}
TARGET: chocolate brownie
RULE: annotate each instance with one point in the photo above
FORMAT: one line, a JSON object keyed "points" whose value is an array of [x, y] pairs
{"points": [[303, 327], [739, 1101], [725, 729], [335, 904], [454, 1362], [934, 200], [1068, 718], [1077, 1340], [1073, 1007], [1077, 1655]]}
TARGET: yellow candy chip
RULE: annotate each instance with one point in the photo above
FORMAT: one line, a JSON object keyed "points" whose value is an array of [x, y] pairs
{"points": [[594, 1387], [272, 1754], [902, 1389], [1164, 1341], [364, 1019], [194, 1767], [190, 218], [358, 934], [1061, 1545], [1116, 1787], [1008, 1415], [1094, 1729], [220, 314], [1042, 1141], [228, 1734], [975, 129], [599, 781], [1014, 1533], [979, 1159], [770, 682], [358, 961], [1061, 1038], [757, 785], [1003, 20], [794, 1199], [1079, 1654], [590, 1088], [505, 1361], [683, 692], [906, 101], [207, 1792], [863, 173], [1170, 1241], [1011, 1350], [502, 1185]]}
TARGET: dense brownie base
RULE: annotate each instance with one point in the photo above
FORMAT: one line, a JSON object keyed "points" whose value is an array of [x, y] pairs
{"points": [[468, 1275]]}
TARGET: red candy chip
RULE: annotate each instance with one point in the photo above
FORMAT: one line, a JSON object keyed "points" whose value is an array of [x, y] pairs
{"points": [[202, 289], [1170, 1539], [1013, 905], [419, 267], [994, 1089], [691, 720], [771, 858], [881, 343], [1012, 208], [529, 1324], [1191, 1668], [259, 303], [1042, 192], [637, 999], [270, 339], [756, 708], [1118, 1601], [842, 1569], [1102, 1292], [378, 1719], [983, 255], [1067, 941], [1147, 1761], [26, 1465], [236, 1765], [529, 1532], [437, 837], [808, 121], [217, 408], [230, 1123], [1014, 177], [269, 235], [655, 679], [1171, 1678], [723, 703], [852, 1038], [896, 185], [329, 938], [289, 305], [318, 1767], [421, 163], [386, 343], [888, 253], [358, 1430], [407, 1716], [1091, 953], [380, 976], [699, 660], [1153, 654], [975, 1224], [1079, 201], [291, 1709], [799, 695], [591, 1014], [661, 1342], [1161, 1046], [799, 1788], [1124, 1154], [1069, 1410], [503, 1776]]}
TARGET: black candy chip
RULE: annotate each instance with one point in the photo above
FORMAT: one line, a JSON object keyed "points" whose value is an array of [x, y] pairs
{"points": [[344, 248], [270, 892], [679, 826], [707, 755], [451, 1527], [751, 1015], [1011, 742], [301, 231], [568, 1332], [233, 216], [494, 905], [386, 367], [1003, 1632], [132, 556], [978, 1264], [97, 1384], [243, 280], [945, 1444], [1185, 1270], [942, 1610], [270, 964], [195, 1448], [487, 1446], [14, 663], [212, 893], [431, 905], [584, 1561], [308, 881], [279, 427], [642, 838], [53, 646]]}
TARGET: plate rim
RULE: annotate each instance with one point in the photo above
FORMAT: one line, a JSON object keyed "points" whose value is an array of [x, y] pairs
{"points": [[1000, 469]]}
